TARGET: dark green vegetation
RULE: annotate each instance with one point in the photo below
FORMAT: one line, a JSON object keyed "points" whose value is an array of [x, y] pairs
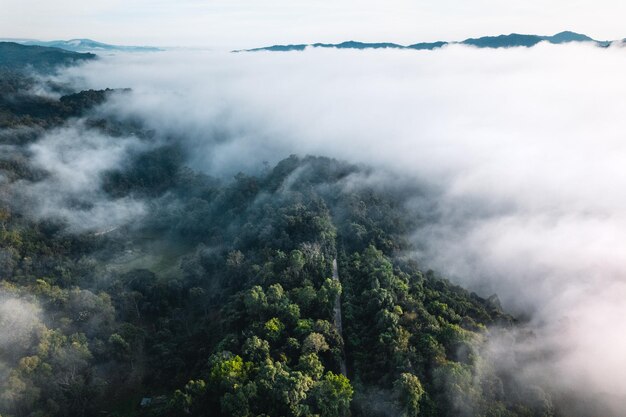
{"points": [[19, 108], [502, 41], [221, 301]]}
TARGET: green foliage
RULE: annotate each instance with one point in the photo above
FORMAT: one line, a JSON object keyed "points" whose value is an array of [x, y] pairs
{"points": [[273, 328], [409, 392], [314, 343], [332, 396], [222, 299]]}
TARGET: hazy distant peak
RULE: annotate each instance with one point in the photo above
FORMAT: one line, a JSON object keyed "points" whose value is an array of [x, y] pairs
{"points": [[17, 56], [499, 41], [568, 36], [86, 45]]}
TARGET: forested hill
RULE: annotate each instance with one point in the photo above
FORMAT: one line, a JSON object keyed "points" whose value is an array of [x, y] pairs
{"points": [[218, 298], [14, 56], [86, 45], [22, 109]]}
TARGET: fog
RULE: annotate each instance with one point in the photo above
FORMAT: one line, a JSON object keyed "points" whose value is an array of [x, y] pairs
{"points": [[20, 320], [521, 150], [74, 159]]}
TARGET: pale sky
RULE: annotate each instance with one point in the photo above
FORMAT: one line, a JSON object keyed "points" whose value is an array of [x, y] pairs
{"points": [[249, 23]]}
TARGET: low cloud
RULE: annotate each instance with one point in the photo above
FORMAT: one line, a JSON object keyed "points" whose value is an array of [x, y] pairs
{"points": [[20, 319], [73, 160], [21, 323], [521, 150]]}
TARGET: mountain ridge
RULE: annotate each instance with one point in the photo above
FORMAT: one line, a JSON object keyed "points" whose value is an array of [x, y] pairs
{"points": [[501, 41], [84, 45]]}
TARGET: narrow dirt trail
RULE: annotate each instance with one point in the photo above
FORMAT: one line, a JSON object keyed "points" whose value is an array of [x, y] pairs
{"points": [[338, 319]]}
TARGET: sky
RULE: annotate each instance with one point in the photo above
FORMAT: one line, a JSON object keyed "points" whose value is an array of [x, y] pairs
{"points": [[249, 23]]}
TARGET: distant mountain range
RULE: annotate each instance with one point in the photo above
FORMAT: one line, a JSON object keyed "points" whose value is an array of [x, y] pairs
{"points": [[84, 45], [502, 41], [15, 57]]}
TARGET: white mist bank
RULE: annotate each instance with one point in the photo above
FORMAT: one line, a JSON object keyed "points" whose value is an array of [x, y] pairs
{"points": [[524, 151], [75, 159]]}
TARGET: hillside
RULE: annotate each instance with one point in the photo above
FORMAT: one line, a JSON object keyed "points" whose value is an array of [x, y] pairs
{"points": [[14, 56]]}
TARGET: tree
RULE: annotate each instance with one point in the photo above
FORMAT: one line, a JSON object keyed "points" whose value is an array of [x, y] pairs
{"points": [[255, 301], [283, 390], [314, 343], [228, 371], [120, 348], [311, 365], [273, 328], [332, 395], [408, 390], [256, 349]]}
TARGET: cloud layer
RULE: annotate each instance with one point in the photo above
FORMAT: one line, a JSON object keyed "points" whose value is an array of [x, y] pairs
{"points": [[522, 151]]}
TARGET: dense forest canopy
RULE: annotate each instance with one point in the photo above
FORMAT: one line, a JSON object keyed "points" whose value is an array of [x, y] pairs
{"points": [[286, 292]]}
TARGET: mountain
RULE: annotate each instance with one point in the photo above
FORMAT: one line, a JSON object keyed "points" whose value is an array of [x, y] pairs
{"points": [[568, 36], [515, 40], [87, 45], [504, 41], [343, 45], [501, 41], [427, 45], [15, 56]]}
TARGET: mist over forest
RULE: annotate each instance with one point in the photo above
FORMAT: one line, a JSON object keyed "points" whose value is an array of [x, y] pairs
{"points": [[324, 232]]}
